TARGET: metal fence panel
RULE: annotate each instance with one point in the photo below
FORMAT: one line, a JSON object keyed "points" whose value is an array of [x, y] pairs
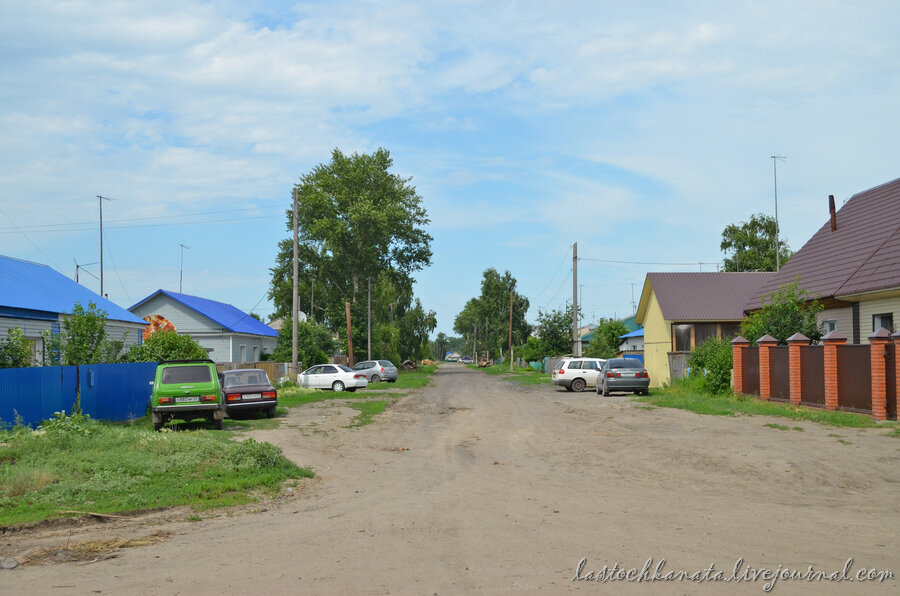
{"points": [[780, 373], [750, 359], [33, 394], [854, 378], [116, 392], [812, 363]]}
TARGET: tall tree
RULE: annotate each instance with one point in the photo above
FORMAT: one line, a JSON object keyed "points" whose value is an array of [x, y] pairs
{"points": [[489, 312], [357, 222], [606, 339], [555, 332], [752, 245]]}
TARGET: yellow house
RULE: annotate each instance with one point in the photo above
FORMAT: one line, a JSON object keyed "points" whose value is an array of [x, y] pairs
{"points": [[680, 310]]}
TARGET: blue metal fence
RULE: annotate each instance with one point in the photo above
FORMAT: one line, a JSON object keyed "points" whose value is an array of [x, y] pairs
{"points": [[113, 392]]}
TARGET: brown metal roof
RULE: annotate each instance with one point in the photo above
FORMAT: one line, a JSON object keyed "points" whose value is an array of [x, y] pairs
{"points": [[862, 255], [705, 296]]}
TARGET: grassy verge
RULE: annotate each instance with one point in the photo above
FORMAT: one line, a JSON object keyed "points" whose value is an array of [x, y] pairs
{"points": [[367, 409], [685, 397], [524, 375], [72, 465], [412, 379]]}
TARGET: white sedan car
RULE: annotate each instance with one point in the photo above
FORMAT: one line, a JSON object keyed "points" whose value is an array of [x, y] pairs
{"points": [[333, 376]]}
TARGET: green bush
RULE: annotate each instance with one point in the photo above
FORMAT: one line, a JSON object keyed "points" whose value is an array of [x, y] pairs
{"points": [[711, 365], [253, 455]]}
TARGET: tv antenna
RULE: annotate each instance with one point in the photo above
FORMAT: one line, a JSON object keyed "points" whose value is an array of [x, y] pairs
{"points": [[82, 266], [181, 272]]}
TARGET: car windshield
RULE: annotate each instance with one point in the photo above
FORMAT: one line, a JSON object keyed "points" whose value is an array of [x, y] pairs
{"points": [[385, 363], [186, 374], [250, 377], [626, 363]]}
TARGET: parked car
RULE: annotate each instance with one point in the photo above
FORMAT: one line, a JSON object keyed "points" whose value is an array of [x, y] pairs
{"points": [[467, 360], [624, 374], [186, 389], [248, 390], [378, 370], [333, 376], [577, 373]]}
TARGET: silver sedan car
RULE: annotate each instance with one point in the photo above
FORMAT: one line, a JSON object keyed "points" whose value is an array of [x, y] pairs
{"points": [[377, 370]]}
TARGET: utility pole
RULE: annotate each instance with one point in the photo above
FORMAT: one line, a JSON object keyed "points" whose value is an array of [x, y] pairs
{"points": [[181, 271], [775, 159], [295, 298], [487, 349], [510, 331], [101, 243], [349, 334], [369, 323], [576, 345]]}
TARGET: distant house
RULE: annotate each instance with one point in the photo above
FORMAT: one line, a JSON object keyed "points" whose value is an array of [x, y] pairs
{"points": [[34, 298], [228, 333], [852, 264], [632, 342], [680, 310]]}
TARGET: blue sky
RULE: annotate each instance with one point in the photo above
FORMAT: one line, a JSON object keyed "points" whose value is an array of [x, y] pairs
{"points": [[638, 130]]}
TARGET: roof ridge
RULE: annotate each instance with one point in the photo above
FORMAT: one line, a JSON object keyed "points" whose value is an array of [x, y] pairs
{"points": [[866, 260]]}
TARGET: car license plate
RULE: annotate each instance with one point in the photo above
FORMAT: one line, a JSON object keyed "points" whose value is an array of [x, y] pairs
{"points": [[251, 396], [185, 400]]}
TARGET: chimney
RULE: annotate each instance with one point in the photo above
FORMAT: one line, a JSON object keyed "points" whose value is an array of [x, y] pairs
{"points": [[833, 214]]}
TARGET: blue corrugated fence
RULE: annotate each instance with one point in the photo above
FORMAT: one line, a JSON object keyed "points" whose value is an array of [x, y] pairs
{"points": [[113, 392]]}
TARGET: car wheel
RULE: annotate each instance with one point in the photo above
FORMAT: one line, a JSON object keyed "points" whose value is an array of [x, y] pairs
{"points": [[578, 385], [270, 412], [218, 423], [605, 390], [375, 379], [338, 386]]}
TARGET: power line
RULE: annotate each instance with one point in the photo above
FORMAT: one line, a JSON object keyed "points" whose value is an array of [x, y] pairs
{"points": [[648, 262], [30, 241], [565, 255]]}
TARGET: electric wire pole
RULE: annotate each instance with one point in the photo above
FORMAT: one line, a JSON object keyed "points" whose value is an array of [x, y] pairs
{"points": [[101, 243], [775, 159], [576, 345], [294, 296]]}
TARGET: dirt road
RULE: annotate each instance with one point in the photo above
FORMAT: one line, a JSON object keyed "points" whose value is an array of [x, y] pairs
{"points": [[475, 484]]}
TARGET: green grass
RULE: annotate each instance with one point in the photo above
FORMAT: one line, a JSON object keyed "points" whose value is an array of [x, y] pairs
{"points": [[86, 466], [412, 379], [367, 410], [524, 375], [684, 397]]}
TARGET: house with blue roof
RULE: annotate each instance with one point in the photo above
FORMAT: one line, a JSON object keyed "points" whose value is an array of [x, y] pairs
{"points": [[35, 297], [227, 333]]}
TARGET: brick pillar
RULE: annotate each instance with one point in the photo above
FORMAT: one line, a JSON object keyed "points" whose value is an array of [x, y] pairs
{"points": [[878, 342], [796, 343], [832, 342], [737, 357], [896, 338], [765, 343]]}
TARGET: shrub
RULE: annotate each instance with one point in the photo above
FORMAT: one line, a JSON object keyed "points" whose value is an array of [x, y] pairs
{"points": [[711, 363]]}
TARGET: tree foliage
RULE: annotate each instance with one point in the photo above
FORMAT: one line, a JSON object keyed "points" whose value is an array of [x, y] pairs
{"points": [[489, 314], [789, 310], [15, 350], [314, 343], [166, 345], [711, 363], [606, 339], [357, 222], [752, 245], [82, 339]]}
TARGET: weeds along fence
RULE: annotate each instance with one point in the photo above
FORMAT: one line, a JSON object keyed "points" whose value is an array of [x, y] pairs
{"points": [[114, 392]]}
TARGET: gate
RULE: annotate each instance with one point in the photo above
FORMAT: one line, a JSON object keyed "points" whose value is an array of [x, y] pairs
{"points": [[812, 363], [780, 374], [854, 378], [750, 359]]}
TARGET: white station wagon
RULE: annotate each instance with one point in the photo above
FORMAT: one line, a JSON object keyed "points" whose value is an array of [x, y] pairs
{"points": [[577, 373]]}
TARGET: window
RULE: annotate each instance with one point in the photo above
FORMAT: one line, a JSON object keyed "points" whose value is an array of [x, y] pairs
{"points": [[589, 365], [682, 337], [704, 331], [829, 325], [730, 330], [255, 353], [885, 320], [574, 364], [243, 354], [185, 374]]}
